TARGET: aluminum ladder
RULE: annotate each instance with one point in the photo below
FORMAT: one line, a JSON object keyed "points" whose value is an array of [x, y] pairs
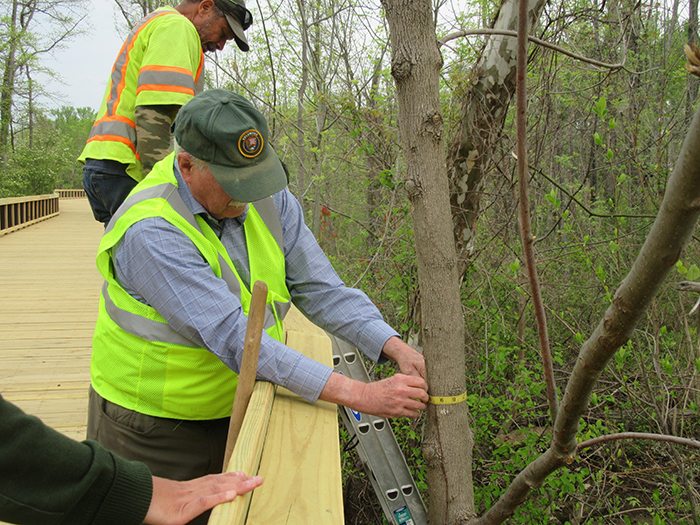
{"points": [[378, 449]]}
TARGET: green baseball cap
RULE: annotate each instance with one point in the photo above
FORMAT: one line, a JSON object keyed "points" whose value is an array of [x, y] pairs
{"points": [[226, 131]]}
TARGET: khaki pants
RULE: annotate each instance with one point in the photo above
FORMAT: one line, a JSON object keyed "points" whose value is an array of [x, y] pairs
{"points": [[172, 448]]}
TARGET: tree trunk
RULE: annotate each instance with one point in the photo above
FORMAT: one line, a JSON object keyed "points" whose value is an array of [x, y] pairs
{"points": [[448, 441], [301, 95], [8, 81], [319, 121], [484, 111], [30, 105]]}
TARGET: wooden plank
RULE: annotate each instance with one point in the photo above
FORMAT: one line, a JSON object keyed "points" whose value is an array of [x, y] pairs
{"points": [[301, 459], [246, 455]]}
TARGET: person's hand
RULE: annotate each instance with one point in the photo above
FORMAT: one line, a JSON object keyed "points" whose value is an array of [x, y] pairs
{"points": [[410, 361], [177, 502], [396, 396]]}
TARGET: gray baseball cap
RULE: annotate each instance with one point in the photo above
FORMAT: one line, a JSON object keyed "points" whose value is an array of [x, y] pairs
{"points": [[225, 130], [239, 19]]}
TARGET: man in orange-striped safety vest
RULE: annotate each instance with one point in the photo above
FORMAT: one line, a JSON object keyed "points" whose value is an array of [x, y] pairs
{"points": [[158, 70]]}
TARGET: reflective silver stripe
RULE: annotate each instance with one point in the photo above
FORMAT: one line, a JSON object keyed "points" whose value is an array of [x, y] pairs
{"points": [[268, 213], [283, 308], [114, 127], [154, 192], [166, 78], [141, 327]]}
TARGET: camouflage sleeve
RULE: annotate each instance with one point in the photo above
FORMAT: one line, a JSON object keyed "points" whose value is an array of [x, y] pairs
{"points": [[153, 133]]}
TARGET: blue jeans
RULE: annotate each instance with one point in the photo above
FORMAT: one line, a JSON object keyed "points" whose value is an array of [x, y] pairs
{"points": [[106, 192]]}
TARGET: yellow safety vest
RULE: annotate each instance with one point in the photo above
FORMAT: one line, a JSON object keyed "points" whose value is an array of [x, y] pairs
{"points": [[138, 361], [160, 63]]}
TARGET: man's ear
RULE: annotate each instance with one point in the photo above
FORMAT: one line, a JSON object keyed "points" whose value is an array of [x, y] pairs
{"points": [[206, 8], [184, 162]]}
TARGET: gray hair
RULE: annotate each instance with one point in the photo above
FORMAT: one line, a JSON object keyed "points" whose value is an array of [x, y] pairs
{"points": [[197, 163]]}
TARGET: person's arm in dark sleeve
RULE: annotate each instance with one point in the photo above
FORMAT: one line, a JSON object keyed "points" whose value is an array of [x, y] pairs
{"points": [[153, 133], [48, 478]]}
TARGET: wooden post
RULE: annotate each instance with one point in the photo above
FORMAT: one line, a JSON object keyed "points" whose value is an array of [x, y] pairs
{"points": [[249, 365]]}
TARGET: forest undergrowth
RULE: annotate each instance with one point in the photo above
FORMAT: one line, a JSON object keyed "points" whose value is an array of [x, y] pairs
{"points": [[650, 387]]}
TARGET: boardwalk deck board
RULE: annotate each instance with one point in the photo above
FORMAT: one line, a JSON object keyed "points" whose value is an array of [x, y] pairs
{"points": [[49, 292]]}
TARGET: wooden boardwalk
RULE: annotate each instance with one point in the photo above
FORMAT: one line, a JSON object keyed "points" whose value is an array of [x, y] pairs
{"points": [[49, 293]]}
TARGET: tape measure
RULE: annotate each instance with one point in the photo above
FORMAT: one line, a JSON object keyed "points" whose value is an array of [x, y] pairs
{"points": [[449, 400]]}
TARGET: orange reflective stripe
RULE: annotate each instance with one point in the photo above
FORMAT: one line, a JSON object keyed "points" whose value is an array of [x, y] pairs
{"points": [[155, 67], [201, 67], [115, 138], [161, 87], [119, 118], [115, 126], [173, 79], [124, 56]]}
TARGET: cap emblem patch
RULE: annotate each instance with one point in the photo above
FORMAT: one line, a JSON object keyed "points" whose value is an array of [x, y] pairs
{"points": [[251, 143]]}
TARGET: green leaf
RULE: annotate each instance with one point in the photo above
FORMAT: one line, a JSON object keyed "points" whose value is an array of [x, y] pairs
{"points": [[620, 356], [514, 266], [552, 197], [612, 124], [598, 140], [600, 108], [610, 154], [600, 273], [693, 272]]}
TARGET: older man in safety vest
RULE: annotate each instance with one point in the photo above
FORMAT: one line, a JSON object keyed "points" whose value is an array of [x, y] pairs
{"points": [[159, 69], [179, 258]]}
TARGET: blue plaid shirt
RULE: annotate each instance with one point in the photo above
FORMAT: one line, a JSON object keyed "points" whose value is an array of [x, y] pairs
{"points": [[160, 266]]}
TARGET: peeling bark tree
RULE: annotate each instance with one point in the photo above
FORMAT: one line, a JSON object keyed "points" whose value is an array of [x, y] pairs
{"points": [[447, 445], [484, 111]]}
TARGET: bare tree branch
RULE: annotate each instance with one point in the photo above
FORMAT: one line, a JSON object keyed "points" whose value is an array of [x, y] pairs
{"points": [[526, 236], [543, 43], [638, 435], [670, 233]]}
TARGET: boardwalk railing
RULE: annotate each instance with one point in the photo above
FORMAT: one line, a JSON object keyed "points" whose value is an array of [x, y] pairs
{"points": [[71, 194], [20, 212]]}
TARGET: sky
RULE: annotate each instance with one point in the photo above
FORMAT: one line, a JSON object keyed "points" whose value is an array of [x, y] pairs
{"points": [[85, 63]]}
